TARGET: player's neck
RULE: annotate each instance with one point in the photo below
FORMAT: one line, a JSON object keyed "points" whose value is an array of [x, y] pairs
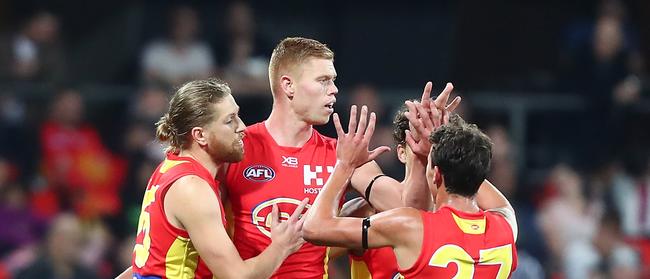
{"points": [[458, 202], [202, 158], [287, 129]]}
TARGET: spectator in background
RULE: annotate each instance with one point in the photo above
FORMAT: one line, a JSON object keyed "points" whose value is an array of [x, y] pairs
{"points": [[80, 172], [603, 62], [34, 54], [630, 192], [143, 151], [60, 258], [603, 256], [246, 53], [567, 216], [504, 176], [182, 56]]}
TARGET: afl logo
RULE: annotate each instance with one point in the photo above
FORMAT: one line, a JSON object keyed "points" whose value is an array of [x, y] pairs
{"points": [[261, 214], [259, 173]]}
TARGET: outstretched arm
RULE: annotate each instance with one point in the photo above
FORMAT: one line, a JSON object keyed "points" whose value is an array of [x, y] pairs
{"points": [[397, 228]]}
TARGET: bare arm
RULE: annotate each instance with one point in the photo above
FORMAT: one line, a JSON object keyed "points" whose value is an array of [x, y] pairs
{"points": [[392, 228], [194, 203], [398, 228], [127, 274], [491, 199]]}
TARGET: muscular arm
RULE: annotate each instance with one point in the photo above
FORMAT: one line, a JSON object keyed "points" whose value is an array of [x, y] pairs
{"points": [[192, 203], [397, 228], [491, 199], [388, 193]]}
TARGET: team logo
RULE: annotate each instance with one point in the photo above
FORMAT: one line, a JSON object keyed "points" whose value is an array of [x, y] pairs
{"points": [[261, 214], [288, 161], [259, 173]]}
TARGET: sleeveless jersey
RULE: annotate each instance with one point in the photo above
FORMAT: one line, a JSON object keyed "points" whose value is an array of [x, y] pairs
{"points": [[465, 245], [272, 174], [377, 263], [163, 250]]}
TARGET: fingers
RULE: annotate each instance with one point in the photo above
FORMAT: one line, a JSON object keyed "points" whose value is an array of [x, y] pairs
{"points": [[275, 216], [363, 121], [424, 116], [377, 151], [296, 213], [337, 125], [371, 128], [411, 115], [352, 125], [453, 105], [412, 143], [442, 99], [426, 94]]}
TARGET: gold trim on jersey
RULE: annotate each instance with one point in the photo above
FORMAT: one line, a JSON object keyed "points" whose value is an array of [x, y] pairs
{"points": [[168, 164], [181, 260], [470, 226], [325, 262], [359, 270]]}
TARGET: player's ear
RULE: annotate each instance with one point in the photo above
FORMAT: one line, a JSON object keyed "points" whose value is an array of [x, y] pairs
{"points": [[287, 86], [401, 153], [437, 177], [198, 135]]}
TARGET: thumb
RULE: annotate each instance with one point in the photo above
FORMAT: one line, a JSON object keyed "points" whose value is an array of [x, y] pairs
{"points": [[378, 151]]}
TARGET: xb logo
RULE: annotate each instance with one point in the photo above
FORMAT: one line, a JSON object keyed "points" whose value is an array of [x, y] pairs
{"points": [[289, 161], [261, 214]]}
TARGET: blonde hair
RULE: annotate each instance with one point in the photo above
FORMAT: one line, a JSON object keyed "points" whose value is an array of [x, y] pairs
{"points": [[191, 106], [292, 52]]}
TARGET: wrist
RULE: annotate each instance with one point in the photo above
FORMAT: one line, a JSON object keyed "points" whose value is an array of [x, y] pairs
{"points": [[278, 249], [345, 166]]}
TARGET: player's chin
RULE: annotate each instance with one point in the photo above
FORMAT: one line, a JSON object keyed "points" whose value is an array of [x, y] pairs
{"points": [[322, 120]]}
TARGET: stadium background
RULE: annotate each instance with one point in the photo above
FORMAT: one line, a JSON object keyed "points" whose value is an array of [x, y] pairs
{"points": [[560, 86]]}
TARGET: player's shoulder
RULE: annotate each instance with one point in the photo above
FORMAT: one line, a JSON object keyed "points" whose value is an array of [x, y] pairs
{"points": [[402, 217], [254, 131]]}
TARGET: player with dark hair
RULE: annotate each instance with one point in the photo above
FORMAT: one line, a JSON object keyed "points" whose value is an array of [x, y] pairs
{"points": [[470, 234]]}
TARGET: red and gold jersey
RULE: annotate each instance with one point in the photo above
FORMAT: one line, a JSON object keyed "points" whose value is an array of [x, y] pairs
{"points": [[377, 263], [163, 250], [272, 174], [465, 245]]}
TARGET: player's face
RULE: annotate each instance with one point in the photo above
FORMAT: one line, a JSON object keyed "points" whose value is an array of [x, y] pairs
{"points": [[315, 92], [225, 132]]}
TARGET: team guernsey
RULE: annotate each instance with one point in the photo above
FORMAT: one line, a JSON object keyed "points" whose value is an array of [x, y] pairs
{"points": [[163, 250], [272, 174], [377, 263], [465, 245]]}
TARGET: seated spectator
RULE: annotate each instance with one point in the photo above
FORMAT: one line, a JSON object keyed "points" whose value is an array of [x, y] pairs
{"points": [[181, 56], [603, 256], [61, 255], [80, 172], [34, 54], [246, 54]]}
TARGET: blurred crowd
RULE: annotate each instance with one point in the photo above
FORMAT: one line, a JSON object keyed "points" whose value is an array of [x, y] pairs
{"points": [[73, 172]]}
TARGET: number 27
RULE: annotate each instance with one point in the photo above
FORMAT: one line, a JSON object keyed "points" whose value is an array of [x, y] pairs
{"points": [[449, 253]]}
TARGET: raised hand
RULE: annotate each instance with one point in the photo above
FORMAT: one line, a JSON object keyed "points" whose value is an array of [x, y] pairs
{"points": [[426, 116], [288, 234], [352, 147]]}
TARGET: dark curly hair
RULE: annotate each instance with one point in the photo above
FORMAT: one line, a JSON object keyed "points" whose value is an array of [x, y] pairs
{"points": [[462, 153]]}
